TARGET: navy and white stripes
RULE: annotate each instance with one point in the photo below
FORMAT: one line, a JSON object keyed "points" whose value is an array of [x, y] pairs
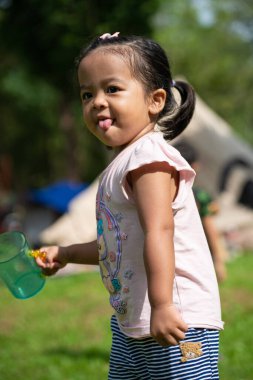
{"points": [[145, 359]]}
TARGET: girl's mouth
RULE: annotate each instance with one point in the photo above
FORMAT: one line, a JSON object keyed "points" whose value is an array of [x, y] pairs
{"points": [[105, 124]]}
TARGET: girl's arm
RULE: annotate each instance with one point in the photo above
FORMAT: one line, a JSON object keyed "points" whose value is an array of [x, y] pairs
{"points": [[58, 257], [154, 187]]}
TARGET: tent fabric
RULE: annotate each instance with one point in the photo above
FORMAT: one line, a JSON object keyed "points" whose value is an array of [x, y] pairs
{"points": [[79, 224], [217, 147], [57, 196]]}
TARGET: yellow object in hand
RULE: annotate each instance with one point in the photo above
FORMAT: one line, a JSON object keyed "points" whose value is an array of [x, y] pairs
{"points": [[37, 253]]}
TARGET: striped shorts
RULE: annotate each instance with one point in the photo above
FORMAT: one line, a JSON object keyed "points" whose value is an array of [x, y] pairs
{"points": [[145, 359]]}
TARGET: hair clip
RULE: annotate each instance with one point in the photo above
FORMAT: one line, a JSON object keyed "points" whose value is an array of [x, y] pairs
{"points": [[108, 35]]}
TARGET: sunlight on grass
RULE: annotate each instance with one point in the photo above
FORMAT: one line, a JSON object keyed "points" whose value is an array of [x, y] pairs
{"points": [[236, 351], [63, 332]]}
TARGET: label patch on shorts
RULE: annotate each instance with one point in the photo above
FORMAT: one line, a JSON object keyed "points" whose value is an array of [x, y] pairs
{"points": [[190, 350]]}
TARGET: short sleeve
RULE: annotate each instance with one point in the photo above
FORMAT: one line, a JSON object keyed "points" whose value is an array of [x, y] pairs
{"points": [[153, 148]]}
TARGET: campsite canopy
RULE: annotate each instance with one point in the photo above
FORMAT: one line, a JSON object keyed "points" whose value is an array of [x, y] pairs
{"points": [[57, 196]]}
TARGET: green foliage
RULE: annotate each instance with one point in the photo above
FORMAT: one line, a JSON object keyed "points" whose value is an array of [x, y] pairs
{"points": [[50, 34], [39, 97], [31, 128], [210, 43]]}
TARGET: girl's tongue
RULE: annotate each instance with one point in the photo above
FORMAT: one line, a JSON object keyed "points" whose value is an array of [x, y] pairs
{"points": [[105, 124]]}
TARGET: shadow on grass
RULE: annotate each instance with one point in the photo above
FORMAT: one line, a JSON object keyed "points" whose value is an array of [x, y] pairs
{"points": [[89, 353]]}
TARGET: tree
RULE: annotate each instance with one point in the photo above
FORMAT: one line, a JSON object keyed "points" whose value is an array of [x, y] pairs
{"points": [[210, 42], [39, 41]]}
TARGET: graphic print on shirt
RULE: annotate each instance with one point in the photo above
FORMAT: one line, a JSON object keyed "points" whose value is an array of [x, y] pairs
{"points": [[109, 260]]}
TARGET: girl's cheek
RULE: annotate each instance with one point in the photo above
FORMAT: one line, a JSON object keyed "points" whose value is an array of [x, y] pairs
{"points": [[85, 116]]}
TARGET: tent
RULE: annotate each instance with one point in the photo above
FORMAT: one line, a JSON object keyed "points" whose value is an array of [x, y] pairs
{"points": [[220, 150], [228, 165], [78, 224], [227, 171], [57, 196]]}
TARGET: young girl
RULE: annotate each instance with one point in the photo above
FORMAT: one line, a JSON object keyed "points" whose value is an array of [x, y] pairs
{"points": [[153, 255]]}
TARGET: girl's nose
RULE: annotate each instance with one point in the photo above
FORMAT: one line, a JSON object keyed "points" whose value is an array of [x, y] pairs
{"points": [[99, 101]]}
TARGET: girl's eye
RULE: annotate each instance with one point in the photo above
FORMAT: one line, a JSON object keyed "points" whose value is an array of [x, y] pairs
{"points": [[112, 89], [86, 95]]}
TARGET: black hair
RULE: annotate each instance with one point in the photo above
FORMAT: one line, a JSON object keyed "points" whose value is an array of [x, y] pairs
{"points": [[149, 64], [187, 151]]}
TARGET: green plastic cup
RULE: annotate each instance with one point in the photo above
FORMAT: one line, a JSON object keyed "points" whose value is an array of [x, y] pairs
{"points": [[18, 268]]}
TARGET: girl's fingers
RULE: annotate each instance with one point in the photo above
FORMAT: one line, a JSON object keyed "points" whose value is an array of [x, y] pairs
{"points": [[183, 326], [51, 269], [41, 262], [179, 335], [48, 272], [170, 341]]}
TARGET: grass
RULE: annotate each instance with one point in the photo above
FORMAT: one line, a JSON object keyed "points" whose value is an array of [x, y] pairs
{"points": [[63, 332], [236, 350]]}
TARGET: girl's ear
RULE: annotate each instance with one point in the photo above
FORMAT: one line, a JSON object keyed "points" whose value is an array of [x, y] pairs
{"points": [[157, 101]]}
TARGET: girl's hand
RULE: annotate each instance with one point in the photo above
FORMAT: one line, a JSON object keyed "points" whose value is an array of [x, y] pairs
{"points": [[56, 258], [166, 325]]}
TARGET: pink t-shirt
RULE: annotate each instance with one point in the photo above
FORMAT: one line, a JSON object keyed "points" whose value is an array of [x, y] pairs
{"points": [[120, 241]]}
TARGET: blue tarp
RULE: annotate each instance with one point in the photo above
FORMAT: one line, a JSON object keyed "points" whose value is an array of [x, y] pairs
{"points": [[57, 195]]}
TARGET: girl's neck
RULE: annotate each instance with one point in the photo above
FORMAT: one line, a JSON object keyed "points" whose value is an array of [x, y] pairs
{"points": [[117, 150]]}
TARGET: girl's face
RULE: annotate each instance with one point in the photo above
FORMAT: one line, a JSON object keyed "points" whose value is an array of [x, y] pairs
{"points": [[115, 107]]}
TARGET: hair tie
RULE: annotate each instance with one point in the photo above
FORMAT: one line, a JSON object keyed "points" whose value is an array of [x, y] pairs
{"points": [[108, 35]]}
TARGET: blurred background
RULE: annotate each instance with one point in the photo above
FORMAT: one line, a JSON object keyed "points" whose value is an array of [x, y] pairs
{"points": [[49, 163], [47, 156]]}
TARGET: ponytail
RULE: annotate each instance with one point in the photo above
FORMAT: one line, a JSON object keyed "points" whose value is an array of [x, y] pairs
{"points": [[172, 124]]}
